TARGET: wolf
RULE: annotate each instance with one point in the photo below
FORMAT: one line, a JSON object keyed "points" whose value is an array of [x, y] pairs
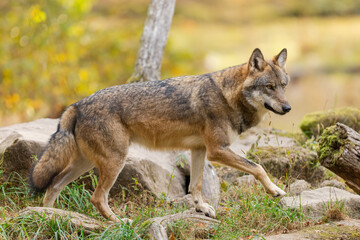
{"points": [[203, 113]]}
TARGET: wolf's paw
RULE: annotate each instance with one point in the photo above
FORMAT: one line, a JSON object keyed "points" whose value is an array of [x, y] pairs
{"points": [[205, 208], [277, 192]]}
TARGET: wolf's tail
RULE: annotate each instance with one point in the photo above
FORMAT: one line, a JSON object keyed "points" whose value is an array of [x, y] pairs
{"points": [[60, 150]]}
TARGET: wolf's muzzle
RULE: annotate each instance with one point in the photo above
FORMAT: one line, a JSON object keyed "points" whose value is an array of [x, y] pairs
{"points": [[285, 109]]}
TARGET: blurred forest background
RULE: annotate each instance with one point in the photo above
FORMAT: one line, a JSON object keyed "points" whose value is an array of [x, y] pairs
{"points": [[53, 53]]}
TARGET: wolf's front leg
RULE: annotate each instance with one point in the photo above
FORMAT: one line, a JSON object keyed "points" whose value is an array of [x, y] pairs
{"points": [[196, 177], [225, 156], [217, 145]]}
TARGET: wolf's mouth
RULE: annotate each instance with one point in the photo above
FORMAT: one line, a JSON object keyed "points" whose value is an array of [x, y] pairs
{"points": [[267, 106]]}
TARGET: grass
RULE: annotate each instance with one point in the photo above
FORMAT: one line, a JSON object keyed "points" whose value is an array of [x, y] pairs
{"points": [[252, 212], [242, 213], [335, 211]]}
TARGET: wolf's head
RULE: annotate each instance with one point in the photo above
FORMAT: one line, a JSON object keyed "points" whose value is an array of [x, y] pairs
{"points": [[264, 86]]}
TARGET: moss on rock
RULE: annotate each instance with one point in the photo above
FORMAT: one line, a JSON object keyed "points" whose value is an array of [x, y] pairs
{"points": [[314, 123], [330, 143]]}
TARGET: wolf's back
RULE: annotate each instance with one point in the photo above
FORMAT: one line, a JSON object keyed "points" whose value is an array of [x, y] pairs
{"points": [[60, 150]]}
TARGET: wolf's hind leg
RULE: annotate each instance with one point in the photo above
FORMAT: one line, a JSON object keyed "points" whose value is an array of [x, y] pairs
{"points": [[196, 178], [109, 171], [74, 170], [105, 143]]}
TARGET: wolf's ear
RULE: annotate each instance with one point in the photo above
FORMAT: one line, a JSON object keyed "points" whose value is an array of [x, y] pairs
{"points": [[257, 61], [280, 59]]}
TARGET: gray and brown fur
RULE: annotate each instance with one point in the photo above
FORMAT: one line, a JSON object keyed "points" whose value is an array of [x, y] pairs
{"points": [[202, 113]]}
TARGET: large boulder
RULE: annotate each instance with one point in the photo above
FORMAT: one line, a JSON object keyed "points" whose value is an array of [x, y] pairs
{"points": [[295, 161], [19, 144], [316, 202], [165, 173], [157, 171], [314, 123]]}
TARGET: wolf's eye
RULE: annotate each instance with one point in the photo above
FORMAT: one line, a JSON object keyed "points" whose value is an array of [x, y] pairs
{"points": [[283, 85], [269, 86]]}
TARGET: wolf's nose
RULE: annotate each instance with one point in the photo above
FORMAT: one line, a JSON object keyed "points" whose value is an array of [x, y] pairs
{"points": [[286, 108]]}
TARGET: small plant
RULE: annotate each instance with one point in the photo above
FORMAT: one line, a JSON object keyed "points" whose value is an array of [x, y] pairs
{"points": [[123, 231], [335, 211]]}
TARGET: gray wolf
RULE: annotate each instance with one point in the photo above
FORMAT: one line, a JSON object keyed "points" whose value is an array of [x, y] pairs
{"points": [[203, 113]]}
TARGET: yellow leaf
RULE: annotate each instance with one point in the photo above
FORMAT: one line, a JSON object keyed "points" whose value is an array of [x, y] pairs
{"points": [[36, 14], [83, 74]]}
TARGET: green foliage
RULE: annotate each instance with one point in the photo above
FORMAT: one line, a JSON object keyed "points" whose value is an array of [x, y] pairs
{"points": [[53, 53], [13, 192], [75, 197], [118, 231], [51, 57]]}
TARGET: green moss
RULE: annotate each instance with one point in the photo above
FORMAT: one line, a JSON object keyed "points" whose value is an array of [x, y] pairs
{"points": [[330, 144], [314, 123]]}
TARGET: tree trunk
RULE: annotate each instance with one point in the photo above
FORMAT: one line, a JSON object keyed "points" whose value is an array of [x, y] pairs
{"points": [[339, 151], [153, 41]]}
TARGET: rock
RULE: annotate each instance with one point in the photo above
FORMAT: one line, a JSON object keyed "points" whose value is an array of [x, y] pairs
{"points": [[158, 225], [20, 142], [246, 181], [184, 201], [314, 123], [154, 170], [211, 184], [165, 172], [77, 219], [299, 186], [316, 202], [157, 171], [232, 175], [345, 229], [333, 183], [260, 137], [296, 161]]}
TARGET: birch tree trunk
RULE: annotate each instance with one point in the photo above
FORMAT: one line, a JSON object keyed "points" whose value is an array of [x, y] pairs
{"points": [[339, 151], [153, 41]]}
